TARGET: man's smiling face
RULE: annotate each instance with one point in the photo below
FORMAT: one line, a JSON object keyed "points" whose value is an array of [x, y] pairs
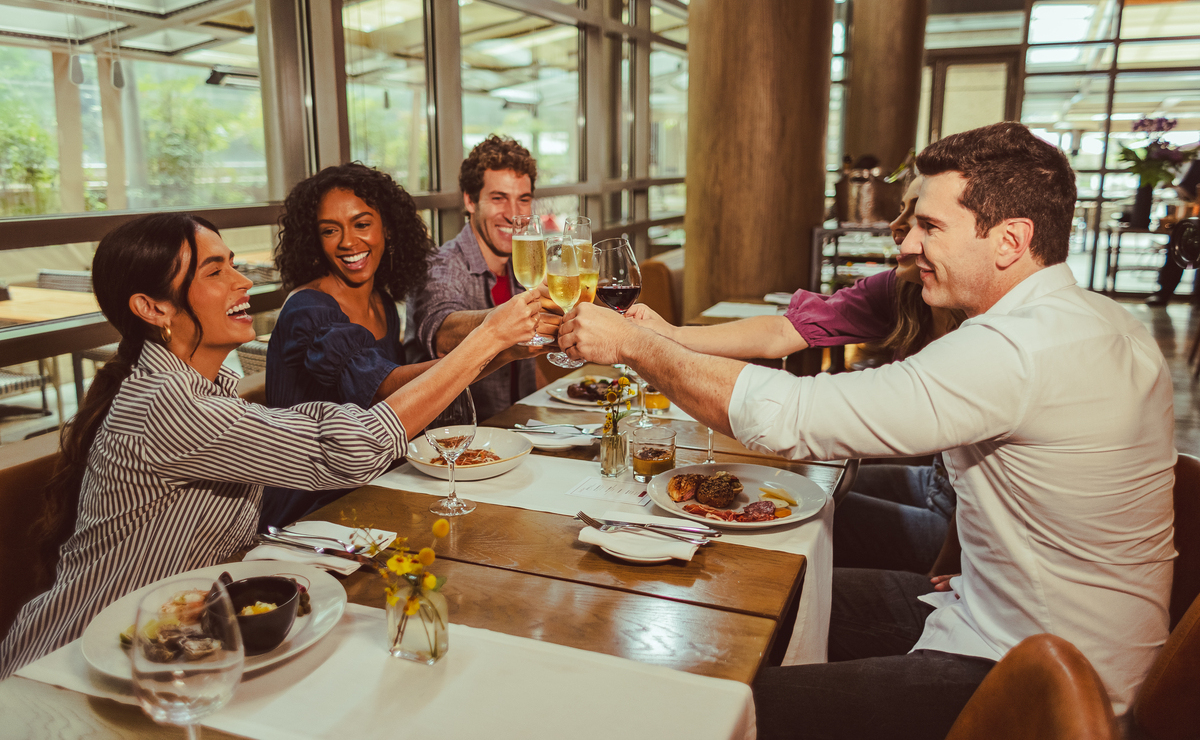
{"points": [[504, 194]]}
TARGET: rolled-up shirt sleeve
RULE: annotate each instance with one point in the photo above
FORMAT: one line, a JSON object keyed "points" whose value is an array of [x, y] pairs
{"points": [[314, 446], [863, 312], [450, 288], [962, 389]]}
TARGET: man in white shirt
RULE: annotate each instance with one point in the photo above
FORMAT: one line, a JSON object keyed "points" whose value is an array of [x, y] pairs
{"points": [[1054, 409]]}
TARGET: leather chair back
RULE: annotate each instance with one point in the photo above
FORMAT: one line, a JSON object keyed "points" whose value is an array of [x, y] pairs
{"points": [[1044, 689], [1186, 585], [25, 468], [657, 290], [1168, 703]]}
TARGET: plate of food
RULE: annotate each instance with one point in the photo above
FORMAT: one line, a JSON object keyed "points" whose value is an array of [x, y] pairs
{"points": [[101, 642], [493, 452], [587, 391], [737, 495]]}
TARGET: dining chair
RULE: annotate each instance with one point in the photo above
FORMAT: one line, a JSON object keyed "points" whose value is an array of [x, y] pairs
{"points": [[1043, 689], [1186, 584], [77, 281], [658, 291], [25, 468], [1167, 706]]}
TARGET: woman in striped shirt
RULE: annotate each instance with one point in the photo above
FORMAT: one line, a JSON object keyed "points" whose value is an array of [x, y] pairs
{"points": [[163, 467]]}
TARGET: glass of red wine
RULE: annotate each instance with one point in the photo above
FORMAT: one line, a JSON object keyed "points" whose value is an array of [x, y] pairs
{"points": [[620, 280]]}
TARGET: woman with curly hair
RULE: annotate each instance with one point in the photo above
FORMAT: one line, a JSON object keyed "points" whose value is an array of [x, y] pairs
{"points": [[351, 245]]}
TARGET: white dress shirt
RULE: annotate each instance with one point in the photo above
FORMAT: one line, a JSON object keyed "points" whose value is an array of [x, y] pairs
{"points": [[1055, 411]]}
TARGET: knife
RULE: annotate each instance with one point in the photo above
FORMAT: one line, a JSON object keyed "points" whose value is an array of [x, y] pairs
{"points": [[706, 531], [362, 559]]}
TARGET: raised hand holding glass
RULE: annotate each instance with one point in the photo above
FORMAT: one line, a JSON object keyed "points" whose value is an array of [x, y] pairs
{"points": [[529, 260], [562, 276]]}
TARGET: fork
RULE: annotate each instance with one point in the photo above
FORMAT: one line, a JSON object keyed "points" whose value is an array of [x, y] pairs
{"points": [[284, 532], [526, 427], [620, 527]]}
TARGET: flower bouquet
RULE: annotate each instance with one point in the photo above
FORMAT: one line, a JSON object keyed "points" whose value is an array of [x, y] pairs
{"points": [[1159, 161], [612, 440]]}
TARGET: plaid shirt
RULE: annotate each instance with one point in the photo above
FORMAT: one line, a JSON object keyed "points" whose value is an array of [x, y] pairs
{"points": [[459, 280]]}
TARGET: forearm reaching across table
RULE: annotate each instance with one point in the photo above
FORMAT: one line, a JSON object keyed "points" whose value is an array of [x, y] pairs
{"points": [[758, 336]]}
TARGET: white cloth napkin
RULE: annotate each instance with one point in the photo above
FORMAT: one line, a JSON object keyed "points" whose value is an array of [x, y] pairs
{"points": [[638, 544], [560, 439], [779, 299], [735, 310], [345, 567]]}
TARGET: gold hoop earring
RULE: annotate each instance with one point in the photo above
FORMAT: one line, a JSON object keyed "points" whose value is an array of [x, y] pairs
{"points": [[166, 334]]}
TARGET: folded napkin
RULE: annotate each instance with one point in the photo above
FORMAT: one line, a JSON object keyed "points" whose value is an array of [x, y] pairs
{"points": [[563, 438], [640, 543], [345, 567], [779, 299]]}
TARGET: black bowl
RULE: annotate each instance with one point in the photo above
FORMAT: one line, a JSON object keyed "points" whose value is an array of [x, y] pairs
{"points": [[263, 632]]}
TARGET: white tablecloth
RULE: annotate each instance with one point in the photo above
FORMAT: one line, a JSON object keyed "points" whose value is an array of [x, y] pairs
{"points": [[735, 310], [488, 685], [538, 484]]}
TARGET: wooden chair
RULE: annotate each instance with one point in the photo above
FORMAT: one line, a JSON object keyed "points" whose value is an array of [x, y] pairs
{"points": [[1043, 689], [77, 281], [1186, 585], [1167, 706], [25, 468], [253, 356], [657, 292]]}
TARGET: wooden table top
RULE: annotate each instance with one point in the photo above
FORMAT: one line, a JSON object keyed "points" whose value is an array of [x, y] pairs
{"points": [[28, 305]]}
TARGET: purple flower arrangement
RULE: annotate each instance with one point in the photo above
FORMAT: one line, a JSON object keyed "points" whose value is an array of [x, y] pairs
{"points": [[1159, 161]]}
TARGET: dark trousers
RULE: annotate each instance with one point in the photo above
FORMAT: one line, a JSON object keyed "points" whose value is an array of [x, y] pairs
{"points": [[889, 520], [872, 687]]}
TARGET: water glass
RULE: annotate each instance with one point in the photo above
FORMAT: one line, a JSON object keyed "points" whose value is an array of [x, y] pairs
{"points": [[652, 451]]}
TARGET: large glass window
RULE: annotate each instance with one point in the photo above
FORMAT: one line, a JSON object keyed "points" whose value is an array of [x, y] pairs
{"points": [[520, 77], [668, 113], [142, 117], [386, 93], [1069, 112]]}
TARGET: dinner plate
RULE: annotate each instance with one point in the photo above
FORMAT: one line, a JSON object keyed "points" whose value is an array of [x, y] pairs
{"points": [[510, 446], [101, 640], [558, 391], [632, 559], [810, 498]]}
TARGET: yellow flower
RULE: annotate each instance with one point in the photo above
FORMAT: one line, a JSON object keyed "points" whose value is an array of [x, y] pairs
{"points": [[623, 381], [430, 582], [402, 564], [441, 528], [412, 607], [426, 556], [392, 596], [611, 396]]}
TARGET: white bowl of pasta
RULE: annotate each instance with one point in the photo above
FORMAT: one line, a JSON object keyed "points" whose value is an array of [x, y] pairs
{"points": [[493, 452]]}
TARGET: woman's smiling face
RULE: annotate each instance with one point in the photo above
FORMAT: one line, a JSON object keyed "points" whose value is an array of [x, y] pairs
{"points": [[352, 237], [218, 296]]}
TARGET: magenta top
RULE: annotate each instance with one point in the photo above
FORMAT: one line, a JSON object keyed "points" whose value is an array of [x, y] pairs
{"points": [[863, 312]]}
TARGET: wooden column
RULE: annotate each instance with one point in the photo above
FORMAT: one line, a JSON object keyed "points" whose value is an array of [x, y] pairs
{"points": [[114, 135], [758, 100], [70, 135], [887, 49]]}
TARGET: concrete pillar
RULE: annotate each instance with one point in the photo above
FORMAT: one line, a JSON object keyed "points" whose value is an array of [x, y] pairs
{"points": [[758, 100], [114, 135], [887, 50], [70, 135]]}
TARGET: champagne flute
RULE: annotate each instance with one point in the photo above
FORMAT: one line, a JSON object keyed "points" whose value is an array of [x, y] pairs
{"points": [[451, 433], [529, 260], [563, 278], [186, 654], [578, 231]]}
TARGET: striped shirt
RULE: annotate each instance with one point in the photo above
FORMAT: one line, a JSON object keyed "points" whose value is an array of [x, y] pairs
{"points": [[174, 482]]}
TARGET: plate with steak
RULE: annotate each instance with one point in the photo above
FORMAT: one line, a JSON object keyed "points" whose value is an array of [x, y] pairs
{"points": [[737, 495], [587, 391]]}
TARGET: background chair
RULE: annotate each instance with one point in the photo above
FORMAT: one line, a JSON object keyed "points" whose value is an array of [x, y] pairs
{"points": [[77, 281], [1167, 706], [253, 356], [25, 468], [1043, 689]]}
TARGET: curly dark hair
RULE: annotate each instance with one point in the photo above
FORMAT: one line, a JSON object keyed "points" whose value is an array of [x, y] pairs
{"points": [[300, 257], [494, 153]]}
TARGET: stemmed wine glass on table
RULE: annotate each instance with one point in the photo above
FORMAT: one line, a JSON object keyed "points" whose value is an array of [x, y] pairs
{"points": [[563, 279], [186, 654], [451, 434], [529, 260], [619, 283]]}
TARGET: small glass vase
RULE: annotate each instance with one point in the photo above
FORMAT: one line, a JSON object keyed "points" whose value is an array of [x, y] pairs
{"points": [[612, 454], [422, 637]]}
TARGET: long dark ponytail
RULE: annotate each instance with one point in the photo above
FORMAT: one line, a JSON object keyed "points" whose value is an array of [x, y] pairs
{"points": [[142, 256]]}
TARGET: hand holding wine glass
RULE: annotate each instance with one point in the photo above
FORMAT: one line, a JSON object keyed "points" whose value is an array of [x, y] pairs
{"points": [[186, 654], [451, 434], [619, 279]]}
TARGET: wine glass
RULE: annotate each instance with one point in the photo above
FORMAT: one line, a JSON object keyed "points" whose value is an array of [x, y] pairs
{"points": [[563, 279], [529, 260], [451, 433], [186, 653], [618, 286], [578, 231]]}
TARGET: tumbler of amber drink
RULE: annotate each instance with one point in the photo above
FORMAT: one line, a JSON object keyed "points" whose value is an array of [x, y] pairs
{"points": [[653, 451], [654, 401]]}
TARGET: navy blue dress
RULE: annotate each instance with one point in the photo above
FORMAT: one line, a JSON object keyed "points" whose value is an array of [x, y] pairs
{"points": [[317, 354]]}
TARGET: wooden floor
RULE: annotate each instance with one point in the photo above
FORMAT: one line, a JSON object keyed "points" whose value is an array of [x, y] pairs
{"points": [[1172, 326]]}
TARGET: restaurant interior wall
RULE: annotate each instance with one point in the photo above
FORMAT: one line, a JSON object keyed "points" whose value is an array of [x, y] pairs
{"points": [[119, 108]]}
